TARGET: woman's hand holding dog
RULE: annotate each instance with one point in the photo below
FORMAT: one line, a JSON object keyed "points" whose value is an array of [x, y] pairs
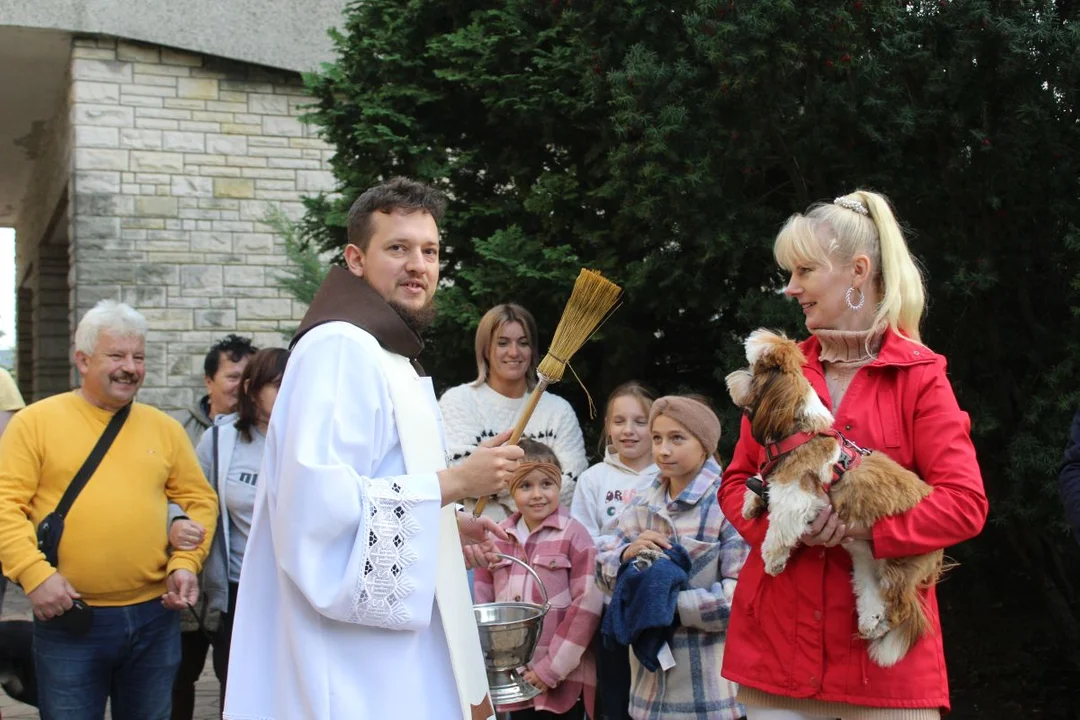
{"points": [[647, 540], [827, 530]]}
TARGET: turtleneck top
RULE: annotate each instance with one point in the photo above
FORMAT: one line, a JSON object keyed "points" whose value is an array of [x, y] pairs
{"points": [[843, 352]]}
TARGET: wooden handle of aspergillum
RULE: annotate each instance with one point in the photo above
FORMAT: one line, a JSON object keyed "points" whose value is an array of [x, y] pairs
{"points": [[519, 430]]}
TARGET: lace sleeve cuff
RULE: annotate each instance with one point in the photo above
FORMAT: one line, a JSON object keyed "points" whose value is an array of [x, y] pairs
{"points": [[385, 582]]}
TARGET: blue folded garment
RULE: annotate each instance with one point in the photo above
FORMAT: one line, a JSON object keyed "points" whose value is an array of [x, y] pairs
{"points": [[643, 610]]}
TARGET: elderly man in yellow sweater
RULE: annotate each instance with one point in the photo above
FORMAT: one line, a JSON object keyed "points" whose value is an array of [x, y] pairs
{"points": [[105, 624]]}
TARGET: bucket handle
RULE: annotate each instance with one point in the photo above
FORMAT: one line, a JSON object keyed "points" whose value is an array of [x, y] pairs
{"points": [[532, 572]]}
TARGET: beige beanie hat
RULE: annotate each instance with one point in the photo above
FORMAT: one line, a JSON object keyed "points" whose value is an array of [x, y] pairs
{"points": [[693, 415]]}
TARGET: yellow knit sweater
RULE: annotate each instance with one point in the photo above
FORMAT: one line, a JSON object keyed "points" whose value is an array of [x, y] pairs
{"points": [[114, 546]]}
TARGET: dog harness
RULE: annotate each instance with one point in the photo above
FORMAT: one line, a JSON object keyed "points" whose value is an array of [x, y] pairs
{"points": [[850, 457]]}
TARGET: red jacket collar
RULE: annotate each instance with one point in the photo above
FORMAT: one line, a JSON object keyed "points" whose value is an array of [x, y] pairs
{"points": [[896, 350]]}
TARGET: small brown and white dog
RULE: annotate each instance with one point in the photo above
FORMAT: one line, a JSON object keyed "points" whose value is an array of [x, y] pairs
{"points": [[808, 466]]}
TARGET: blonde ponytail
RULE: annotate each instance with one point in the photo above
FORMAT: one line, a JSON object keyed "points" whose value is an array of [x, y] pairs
{"points": [[903, 293]]}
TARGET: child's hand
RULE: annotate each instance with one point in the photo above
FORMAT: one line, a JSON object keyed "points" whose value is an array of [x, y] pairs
{"points": [[186, 534], [533, 679], [647, 540], [477, 556]]}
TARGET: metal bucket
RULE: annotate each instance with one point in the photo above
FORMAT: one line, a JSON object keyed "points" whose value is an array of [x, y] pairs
{"points": [[509, 632]]}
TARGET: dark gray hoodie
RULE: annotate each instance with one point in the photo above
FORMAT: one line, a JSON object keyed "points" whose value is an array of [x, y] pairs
{"points": [[198, 420]]}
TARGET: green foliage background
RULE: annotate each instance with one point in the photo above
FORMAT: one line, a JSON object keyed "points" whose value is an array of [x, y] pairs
{"points": [[665, 143]]}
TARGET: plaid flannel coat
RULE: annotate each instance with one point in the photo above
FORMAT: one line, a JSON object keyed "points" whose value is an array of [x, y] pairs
{"points": [[693, 688], [564, 556]]}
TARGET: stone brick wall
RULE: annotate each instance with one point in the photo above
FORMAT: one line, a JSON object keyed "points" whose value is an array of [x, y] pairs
{"points": [[177, 158]]}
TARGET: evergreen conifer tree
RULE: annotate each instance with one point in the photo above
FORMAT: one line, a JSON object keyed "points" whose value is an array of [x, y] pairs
{"points": [[665, 144]]}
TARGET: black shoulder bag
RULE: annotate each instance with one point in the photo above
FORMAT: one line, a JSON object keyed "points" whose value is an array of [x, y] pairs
{"points": [[52, 527]]}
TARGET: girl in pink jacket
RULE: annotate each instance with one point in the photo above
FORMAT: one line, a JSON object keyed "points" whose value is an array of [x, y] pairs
{"points": [[562, 552]]}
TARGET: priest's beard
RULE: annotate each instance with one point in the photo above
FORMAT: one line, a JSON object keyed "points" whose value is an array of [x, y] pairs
{"points": [[418, 320]]}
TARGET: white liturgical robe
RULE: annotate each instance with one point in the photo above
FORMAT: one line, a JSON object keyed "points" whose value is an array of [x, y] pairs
{"points": [[337, 616]]}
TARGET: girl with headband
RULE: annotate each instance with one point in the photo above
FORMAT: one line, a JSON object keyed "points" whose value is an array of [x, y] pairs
{"points": [[560, 549]]}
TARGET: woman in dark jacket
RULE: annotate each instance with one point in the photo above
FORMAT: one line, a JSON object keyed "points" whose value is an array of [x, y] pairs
{"points": [[1070, 478]]}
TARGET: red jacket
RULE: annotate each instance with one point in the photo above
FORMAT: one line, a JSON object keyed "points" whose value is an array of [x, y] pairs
{"points": [[796, 634]]}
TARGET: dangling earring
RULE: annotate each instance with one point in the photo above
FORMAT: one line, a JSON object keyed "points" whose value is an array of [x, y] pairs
{"points": [[847, 297]]}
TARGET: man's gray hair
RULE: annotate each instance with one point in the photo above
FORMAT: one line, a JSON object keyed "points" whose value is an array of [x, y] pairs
{"points": [[113, 317]]}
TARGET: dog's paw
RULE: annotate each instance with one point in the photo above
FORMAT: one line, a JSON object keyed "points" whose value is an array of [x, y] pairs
{"points": [[753, 513], [775, 567], [753, 505], [873, 627], [775, 562]]}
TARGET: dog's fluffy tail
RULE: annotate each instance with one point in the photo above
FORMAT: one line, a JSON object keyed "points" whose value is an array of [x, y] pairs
{"points": [[891, 647], [910, 617]]}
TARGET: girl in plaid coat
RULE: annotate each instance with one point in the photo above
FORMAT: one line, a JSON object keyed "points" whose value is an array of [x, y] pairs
{"points": [[562, 552], [681, 508]]}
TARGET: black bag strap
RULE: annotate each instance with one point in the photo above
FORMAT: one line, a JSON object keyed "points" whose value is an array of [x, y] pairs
{"points": [[93, 460]]}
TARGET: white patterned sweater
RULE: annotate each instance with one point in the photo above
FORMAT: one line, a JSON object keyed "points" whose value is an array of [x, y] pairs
{"points": [[474, 414]]}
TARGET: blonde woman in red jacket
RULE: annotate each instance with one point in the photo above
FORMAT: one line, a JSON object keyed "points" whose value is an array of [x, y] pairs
{"points": [[793, 642]]}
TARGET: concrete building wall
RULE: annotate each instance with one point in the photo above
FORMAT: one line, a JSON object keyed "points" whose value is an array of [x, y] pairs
{"points": [[48, 182], [276, 33], [42, 261], [177, 159]]}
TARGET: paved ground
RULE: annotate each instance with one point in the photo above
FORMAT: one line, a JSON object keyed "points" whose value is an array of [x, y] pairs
{"points": [[17, 607]]}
